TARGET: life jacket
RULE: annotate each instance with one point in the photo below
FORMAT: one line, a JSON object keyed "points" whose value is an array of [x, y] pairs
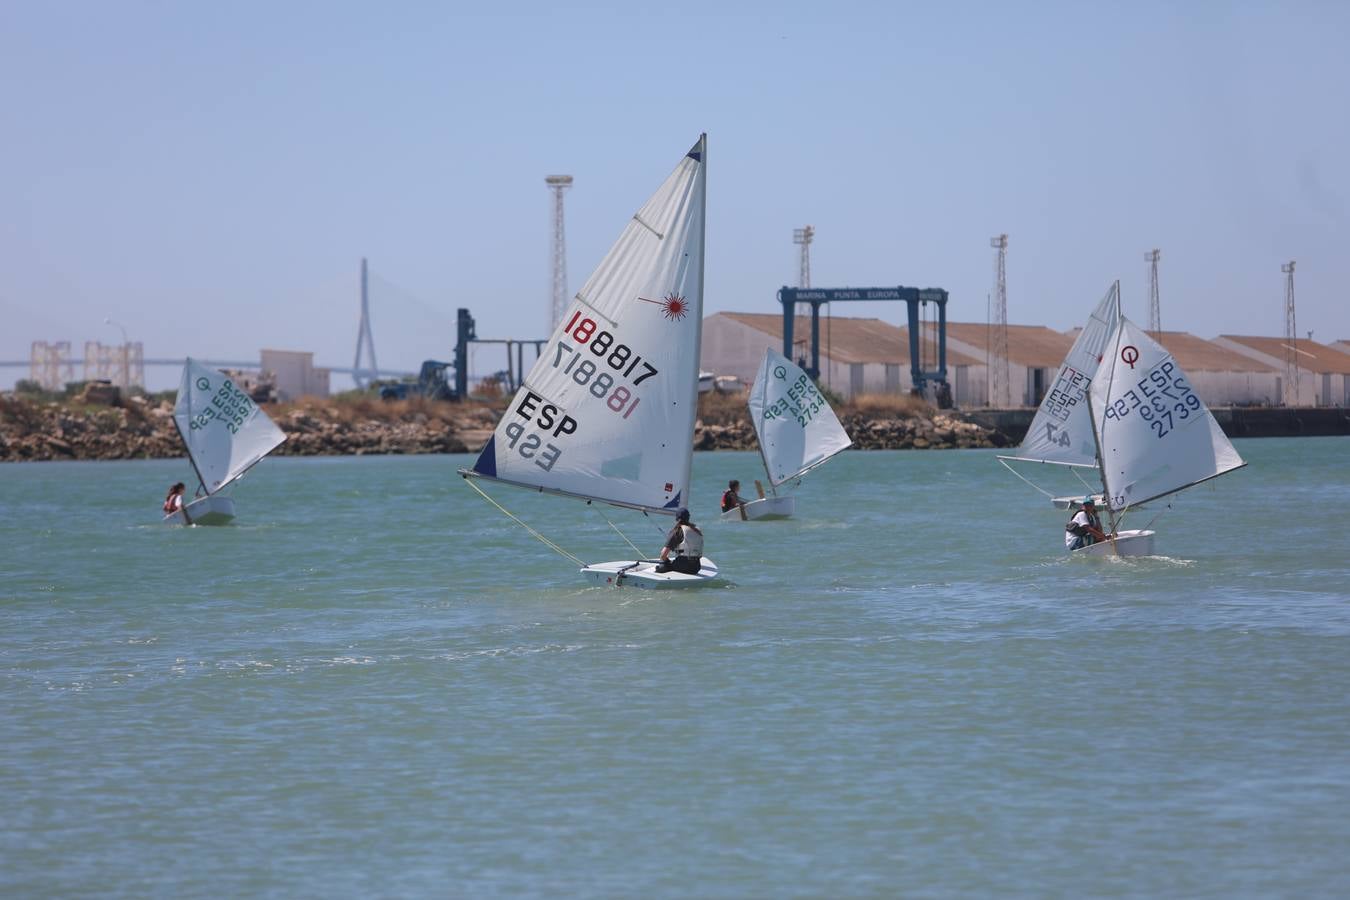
{"points": [[692, 545], [1077, 530], [172, 503], [727, 503]]}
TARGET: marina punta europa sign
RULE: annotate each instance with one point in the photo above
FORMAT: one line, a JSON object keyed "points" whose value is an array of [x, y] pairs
{"points": [[826, 295]]}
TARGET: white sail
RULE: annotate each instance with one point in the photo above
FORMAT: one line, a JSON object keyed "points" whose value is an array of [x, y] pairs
{"points": [[1156, 435], [224, 431], [796, 428], [608, 410], [1061, 431]]}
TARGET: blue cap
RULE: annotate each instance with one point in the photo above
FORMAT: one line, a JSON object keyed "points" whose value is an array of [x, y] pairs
{"points": [[681, 515], [1088, 501]]}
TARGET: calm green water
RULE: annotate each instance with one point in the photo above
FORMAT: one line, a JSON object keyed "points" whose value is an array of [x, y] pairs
{"points": [[376, 684]]}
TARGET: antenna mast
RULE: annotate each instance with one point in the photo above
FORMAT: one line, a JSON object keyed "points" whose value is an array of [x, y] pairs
{"points": [[1154, 308], [804, 236], [1290, 338], [1000, 391], [558, 184], [363, 376]]}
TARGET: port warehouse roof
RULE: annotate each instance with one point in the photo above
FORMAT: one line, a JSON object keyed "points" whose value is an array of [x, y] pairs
{"points": [[849, 340], [869, 340], [1312, 356]]}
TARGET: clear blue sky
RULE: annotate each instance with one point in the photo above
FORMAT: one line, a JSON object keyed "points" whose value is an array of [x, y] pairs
{"points": [[209, 175]]}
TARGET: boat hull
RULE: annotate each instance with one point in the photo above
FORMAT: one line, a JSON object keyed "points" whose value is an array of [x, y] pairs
{"points": [[211, 510], [1126, 543], [764, 508], [643, 574]]}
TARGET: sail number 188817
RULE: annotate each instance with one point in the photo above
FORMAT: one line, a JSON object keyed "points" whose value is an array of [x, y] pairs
{"points": [[619, 356]]}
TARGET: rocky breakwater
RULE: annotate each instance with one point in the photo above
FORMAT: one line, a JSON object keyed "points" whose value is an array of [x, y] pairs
{"points": [[139, 428], [907, 432]]}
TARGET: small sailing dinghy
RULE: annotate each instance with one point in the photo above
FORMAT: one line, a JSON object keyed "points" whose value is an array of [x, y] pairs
{"points": [[797, 432], [607, 413], [1154, 435], [1061, 432], [225, 434]]}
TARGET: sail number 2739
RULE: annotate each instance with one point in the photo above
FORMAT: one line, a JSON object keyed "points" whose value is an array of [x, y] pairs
{"points": [[1162, 398]]}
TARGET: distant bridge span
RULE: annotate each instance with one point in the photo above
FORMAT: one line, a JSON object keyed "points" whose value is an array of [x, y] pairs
{"points": [[219, 363]]}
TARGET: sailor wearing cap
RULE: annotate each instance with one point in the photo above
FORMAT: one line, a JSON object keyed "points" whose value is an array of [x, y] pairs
{"points": [[1084, 528], [683, 551]]}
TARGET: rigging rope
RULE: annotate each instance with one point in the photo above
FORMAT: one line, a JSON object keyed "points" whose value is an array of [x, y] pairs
{"points": [[1004, 462], [543, 540]]}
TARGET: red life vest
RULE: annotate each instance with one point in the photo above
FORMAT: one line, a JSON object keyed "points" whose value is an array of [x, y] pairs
{"points": [[727, 503]]}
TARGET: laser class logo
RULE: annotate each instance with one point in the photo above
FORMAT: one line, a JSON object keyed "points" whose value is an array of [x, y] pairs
{"points": [[1130, 354], [203, 383], [673, 307]]}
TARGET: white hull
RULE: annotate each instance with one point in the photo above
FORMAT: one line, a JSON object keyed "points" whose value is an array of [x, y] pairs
{"points": [[764, 508], [211, 510], [1126, 543], [1076, 501], [643, 574]]}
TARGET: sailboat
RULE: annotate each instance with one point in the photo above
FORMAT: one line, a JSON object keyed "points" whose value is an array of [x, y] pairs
{"points": [[225, 434], [797, 432], [1061, 432], [607, 413], [1154, 435]]}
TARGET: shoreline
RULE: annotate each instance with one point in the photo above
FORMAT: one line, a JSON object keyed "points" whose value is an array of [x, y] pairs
{"points": [[142, 428]]}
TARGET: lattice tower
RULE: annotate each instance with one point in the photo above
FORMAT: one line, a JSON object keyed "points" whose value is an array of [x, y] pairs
{"points": [[49, 364], [1290, 338], [363, 375], [1154, 309], [803, 237], [558, 184], [1000, 388]]}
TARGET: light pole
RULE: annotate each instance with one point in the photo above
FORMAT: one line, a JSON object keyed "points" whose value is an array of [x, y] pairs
{"points": [[126, 362]]}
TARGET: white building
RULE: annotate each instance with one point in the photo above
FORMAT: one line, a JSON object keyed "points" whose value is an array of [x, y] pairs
{"points": [[295, 374], [1323, 371]]}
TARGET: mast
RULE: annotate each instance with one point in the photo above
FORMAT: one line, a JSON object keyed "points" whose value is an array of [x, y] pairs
{"points": [[1097, 437], [702, 148]]}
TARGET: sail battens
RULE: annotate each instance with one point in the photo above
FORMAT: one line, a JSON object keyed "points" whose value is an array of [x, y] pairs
{"points": [[638, 219]]}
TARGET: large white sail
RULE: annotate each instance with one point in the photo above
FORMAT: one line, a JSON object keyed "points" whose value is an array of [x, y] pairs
{"points": [[608, 410], [796, 428], [1061, 431], [224, 431], [1156, 435]]}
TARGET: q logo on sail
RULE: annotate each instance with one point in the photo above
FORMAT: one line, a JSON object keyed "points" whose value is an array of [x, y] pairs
{"points": [[203, 383], [1130, 354], [780, 373]]}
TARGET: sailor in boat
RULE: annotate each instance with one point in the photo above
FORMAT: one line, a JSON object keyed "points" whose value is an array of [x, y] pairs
{"points": [[173, 502], [683, 551], [1084, 528], [731, 497]]}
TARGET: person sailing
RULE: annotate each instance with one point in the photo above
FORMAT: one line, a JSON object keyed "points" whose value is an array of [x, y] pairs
{"points": [[173, 502], [731, 497], [683, 551], [1084, 527]]}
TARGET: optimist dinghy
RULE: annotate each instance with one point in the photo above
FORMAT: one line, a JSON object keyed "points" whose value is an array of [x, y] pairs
{"points": [[225, 434], [1154, 435], [607, 413], [796, 431]]}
